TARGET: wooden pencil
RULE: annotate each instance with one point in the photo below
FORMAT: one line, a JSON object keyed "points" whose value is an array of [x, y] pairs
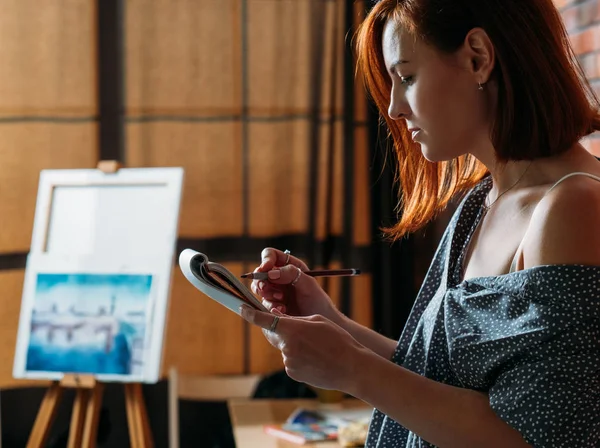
{"points": [[313, 273]]}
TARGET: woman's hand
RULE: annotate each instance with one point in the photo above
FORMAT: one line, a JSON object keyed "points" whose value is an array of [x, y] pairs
{"points": [[315, 350], [304, 298]]}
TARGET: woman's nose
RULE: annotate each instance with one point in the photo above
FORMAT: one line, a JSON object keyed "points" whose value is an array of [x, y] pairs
{"points": [[394, 111], [398, 107]]}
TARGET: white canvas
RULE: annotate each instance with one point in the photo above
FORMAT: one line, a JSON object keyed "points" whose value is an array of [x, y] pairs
{"points": [[98, 235], [135, 210]]}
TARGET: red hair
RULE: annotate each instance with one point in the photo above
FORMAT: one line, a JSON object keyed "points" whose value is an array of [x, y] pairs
{"points": [[545, 103]]}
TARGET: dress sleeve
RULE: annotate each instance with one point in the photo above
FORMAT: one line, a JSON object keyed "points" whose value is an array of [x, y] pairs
{"points": [[551, 395]]}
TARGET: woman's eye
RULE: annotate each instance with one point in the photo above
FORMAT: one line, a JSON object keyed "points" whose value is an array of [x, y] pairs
{"points": [[406, 80]]}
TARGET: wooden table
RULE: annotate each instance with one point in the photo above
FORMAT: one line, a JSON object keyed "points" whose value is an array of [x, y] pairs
{"points": [[249, 416]]}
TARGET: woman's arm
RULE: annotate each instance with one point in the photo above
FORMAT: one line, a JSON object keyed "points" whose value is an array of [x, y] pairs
{"points": [[443, 415], [374, 341]]}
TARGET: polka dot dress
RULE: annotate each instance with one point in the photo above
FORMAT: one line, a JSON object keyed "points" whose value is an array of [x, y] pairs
{"points": [[529, 339]]}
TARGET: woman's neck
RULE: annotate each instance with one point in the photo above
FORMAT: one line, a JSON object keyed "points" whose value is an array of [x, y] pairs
{"points": [[526, 173]]}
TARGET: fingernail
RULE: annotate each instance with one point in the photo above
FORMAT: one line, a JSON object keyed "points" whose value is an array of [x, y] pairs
{"points": [[245, 311], [274, 274], [276, 311], [278, 295]]}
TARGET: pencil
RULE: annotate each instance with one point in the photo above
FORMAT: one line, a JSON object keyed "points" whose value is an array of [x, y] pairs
{"points": [[315, 273]]}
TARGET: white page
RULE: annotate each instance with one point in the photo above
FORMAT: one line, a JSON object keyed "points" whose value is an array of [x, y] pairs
{"points": [[109, 220]]}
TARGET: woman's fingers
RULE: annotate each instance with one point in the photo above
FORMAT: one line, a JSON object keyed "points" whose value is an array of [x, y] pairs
{"points": [[267, 321], [267, 290], [287, 275], [272, 306], [272, 258]]}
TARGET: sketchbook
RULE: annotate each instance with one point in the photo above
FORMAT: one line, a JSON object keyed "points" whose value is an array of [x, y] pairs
{"points": [[216, 281]]}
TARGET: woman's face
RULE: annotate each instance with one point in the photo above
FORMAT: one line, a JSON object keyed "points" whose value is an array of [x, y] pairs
{"points": [[437, 94]]}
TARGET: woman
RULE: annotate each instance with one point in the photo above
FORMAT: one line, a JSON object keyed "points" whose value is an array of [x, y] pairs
{"points": [[502, 347]]}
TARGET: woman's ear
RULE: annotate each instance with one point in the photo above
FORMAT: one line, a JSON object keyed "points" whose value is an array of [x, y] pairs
{"points": [[480, 52]]}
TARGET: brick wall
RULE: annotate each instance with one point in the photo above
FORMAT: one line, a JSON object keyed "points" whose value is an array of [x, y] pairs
{"points": [[582, 19]]}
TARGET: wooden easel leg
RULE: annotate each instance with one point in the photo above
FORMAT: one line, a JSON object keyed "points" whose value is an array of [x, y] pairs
{"points": [[131, 419], [45, 418], [77, 418], [92, 414], [139, 429]]}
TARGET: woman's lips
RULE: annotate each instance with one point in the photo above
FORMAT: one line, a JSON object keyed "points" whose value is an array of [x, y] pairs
{"points": [[414, 132]]}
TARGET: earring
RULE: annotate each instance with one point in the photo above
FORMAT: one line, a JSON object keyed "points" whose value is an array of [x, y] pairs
{"points": [[480, 87]]}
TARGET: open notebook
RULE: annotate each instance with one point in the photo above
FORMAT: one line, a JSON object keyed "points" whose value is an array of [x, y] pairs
{"points": [[216, 281]]}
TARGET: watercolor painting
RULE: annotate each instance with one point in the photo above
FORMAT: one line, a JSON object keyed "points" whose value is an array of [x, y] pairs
{"points": [[89, 323]]}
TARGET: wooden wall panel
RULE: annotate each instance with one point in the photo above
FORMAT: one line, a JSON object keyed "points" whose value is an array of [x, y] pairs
{"points": [[279, 51], [278, 177], [332, 102], [183, 57], [212, 158], [337, 204], [330, 143], [362, 190], [48, 53], [362, 305]]}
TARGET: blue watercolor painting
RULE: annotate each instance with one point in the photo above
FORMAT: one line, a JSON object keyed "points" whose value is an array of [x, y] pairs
{"points": [[89, 323]]}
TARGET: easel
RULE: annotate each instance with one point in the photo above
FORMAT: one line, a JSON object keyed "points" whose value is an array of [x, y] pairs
{"points": [[88, 400], [86, 411]]}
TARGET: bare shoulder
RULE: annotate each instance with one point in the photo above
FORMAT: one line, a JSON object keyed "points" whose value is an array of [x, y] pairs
{"points": [[565, 227]]}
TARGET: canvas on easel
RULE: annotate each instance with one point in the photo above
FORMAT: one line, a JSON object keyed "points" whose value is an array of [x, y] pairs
{"points": [[91, 316], [98, 275], [96, 292]]}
